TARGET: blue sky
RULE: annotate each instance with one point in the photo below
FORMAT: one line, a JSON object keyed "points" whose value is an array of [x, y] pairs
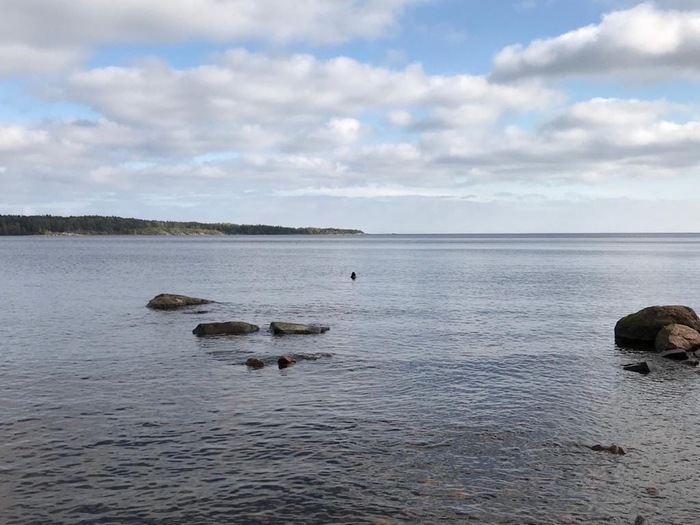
{"points": [[385, 115]]}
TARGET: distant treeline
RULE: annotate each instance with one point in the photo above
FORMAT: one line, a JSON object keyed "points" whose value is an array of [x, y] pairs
{"points": [[98, 225]]}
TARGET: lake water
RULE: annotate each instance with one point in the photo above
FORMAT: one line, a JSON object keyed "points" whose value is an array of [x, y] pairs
{"points": [[469, 376]]}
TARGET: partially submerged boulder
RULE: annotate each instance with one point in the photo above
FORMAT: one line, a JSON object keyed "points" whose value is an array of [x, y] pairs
{"points": [[168, 301], [677, 337], [280, 328], [227, 328], [643, 326]]}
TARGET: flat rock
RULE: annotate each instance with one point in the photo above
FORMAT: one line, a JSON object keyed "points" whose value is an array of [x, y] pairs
{"points": [[280, 328], [227, 328], [168, 301], [641, 368], [643, 326]]}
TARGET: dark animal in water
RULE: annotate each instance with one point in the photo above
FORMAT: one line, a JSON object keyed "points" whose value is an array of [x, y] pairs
{"points": [[353, 276]]}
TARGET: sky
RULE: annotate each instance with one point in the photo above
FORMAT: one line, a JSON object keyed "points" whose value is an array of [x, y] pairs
{"points": [[391, 116]]}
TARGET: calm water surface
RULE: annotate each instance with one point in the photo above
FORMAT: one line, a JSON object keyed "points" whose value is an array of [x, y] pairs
{"points": [[468, 377]]}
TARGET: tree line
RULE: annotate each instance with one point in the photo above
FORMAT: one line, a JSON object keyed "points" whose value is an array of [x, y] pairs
{"points": [[99, 225]]}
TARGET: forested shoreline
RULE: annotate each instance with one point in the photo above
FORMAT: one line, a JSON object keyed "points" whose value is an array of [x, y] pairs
{"points": [[102, 225]]}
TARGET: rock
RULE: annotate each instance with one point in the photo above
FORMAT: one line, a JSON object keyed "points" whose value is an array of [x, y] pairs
{"points": [[167, 301], [677, 337], [228, 328], [675, 355], [643, 326], [642, 368], [285, 361], [254, 362], [279, 328], [613, 449], [639, 520]]}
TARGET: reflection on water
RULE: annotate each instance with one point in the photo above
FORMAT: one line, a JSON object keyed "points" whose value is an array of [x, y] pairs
{"points": [[463, 381]]}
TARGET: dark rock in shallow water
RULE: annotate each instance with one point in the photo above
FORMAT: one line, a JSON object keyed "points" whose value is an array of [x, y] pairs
{"points": [[613, 449], [228, 328], [642, 368], [677, 337], [285, 361], [254, 362], [643, 326], [167, 301], [280, 328]]}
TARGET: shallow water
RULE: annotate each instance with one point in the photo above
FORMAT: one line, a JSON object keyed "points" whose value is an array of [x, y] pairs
{"points": [[468, 376]]}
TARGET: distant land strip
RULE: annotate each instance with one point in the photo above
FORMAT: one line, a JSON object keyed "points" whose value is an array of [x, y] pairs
{"points": [[99, 225]]}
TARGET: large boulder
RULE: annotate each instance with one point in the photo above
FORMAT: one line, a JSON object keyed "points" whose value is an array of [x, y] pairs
{"points": [[643, 326], [228, 328], [168, 301], [280, 328]]}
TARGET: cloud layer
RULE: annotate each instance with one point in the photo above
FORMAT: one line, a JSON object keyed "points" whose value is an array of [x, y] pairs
{"points": [[248, 135]]}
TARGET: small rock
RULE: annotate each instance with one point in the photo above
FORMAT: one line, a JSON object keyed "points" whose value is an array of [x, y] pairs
{"points": [[639, 520], [254, 362], [285, 361], [613, 449], [228, 328], [642, 368]]}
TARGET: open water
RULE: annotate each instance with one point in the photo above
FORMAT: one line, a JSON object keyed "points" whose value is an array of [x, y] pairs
{"points": [[468, 377]]}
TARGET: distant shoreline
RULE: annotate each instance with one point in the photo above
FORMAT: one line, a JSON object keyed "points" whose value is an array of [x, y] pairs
{"points": [[52, 225]]}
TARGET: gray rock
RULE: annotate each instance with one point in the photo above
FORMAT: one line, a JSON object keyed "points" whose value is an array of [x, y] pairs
{"points": [[643, 326], [280, 328], [168, 301], [228, 328]]}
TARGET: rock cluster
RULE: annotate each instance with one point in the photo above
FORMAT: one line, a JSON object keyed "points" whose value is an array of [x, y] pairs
{"points": [[673, 331]]}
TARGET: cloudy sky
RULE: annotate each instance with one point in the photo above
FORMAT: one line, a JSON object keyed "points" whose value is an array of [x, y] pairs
{"points": [[385, 115]]}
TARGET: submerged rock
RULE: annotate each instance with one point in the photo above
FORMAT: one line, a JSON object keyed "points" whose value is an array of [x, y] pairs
{"points": [[228, 328], [644, 326], [285, 361], [642, 368], [280, 328], [168, 301], [613, 449], [254, 362]]}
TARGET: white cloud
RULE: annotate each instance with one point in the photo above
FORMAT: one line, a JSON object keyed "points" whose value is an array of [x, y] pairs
{"points": [[644, 40], [90, 22], [298, 90]]}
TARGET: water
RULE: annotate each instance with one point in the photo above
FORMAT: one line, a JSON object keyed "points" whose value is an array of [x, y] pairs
{"points": [[468, 377]]}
